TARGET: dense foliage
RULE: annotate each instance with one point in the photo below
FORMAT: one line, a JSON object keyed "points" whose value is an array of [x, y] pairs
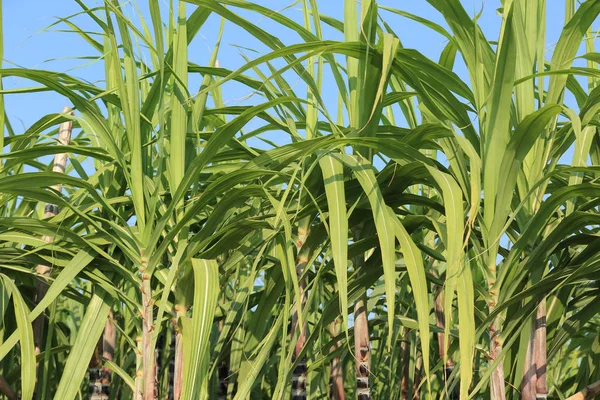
{"points": [[420, 236]]}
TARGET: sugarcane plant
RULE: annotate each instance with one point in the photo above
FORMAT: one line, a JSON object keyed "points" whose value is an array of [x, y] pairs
{"points": [[415, 235]]}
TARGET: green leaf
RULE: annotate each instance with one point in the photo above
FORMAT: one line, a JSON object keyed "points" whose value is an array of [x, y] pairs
{"points": [[85, 342], [416, 274], [568, 44], [333, 178], [25, 335], [196, 331], [69, 272], [364, 172]]}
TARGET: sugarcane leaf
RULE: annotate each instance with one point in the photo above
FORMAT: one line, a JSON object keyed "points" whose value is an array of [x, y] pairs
{"points": [[86, 341], [25, 336], [196, 331], [333, 178]]}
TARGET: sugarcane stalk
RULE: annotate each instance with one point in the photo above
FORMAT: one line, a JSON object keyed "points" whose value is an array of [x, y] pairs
{"points": [[533, 384], [51, 210], [139, 370], [590, 392], [541, 388], [223, 370], [157, 371], [497, 378], [6, 390], [362, 342], [441, 323], [108, 350], [337, 372], [405, 355], [180, 311], [418, 378], [148, 359], [99, 376], [362, 347], [497, 389], [299, 374], [171, 363], [528, 383], [163, 357], [96, 374]]}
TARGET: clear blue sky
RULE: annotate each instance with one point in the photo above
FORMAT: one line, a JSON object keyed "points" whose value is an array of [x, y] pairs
{"points": [[26, 45]]}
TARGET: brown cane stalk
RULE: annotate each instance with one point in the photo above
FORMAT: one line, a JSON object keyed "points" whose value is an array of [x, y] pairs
{"points": [[337, 372], [6, 390], [362, 342], [362, 346], [528, 383], [540, 348], [590, 392], [108, 348], [405, 355], [299, 374], [533, 385], [51, 210], [96, 374]]}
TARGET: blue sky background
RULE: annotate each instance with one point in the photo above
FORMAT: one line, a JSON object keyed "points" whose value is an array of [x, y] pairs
{"points": [[28, 45]]}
